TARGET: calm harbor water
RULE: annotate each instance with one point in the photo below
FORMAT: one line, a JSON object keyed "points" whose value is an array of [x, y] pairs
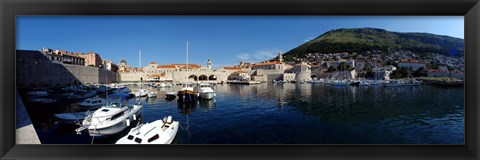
{"points": [[291, 114]]}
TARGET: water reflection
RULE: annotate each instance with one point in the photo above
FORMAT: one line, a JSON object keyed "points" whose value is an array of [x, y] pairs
{"points": [[320, 114], [187, 107], [207, 105]]}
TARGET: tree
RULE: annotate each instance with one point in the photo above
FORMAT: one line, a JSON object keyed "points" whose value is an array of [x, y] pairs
{"points": [[400, 73], [369, 74], [331, 69], [420, 72]]}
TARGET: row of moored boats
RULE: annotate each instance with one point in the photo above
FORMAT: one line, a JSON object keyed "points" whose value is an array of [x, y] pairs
{"points": [[110, 116], [386, 83]]}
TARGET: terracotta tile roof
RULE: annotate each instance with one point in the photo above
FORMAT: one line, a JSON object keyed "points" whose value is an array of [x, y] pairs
{"points": [[232, 68], [167, 66], [191, 66], [153, 63], [266, 63]]}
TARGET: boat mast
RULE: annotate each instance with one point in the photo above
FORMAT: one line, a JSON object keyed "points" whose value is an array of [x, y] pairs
{"points": [[187, 63], [106, 89], [140, 66]]}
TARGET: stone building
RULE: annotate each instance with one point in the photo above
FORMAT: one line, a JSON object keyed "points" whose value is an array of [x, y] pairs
{"points": [[92, 59], [109, 65], [415, 65], [302, 72], [64, 57], [178, 73]]}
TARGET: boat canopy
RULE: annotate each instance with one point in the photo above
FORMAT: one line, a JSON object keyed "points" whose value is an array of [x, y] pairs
{"points": [[117, 99]]}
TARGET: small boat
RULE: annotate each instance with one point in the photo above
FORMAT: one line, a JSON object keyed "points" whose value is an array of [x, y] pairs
{"points": [[38, 93], [354, 83], [206, 91], [161, 85], [70, 118], [413, 82], [141, 93], [340, 83], [111, 118], [375, 82], [393, 84], [170, 95], [157, 132], [152, 94], [123, 90], [94, 102], [104, 89], [81, 95], [187, 94], [43, 100], [364, 83]]}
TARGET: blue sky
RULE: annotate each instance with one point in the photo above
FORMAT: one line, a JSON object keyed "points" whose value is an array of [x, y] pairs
{"points": [[227, 40]]}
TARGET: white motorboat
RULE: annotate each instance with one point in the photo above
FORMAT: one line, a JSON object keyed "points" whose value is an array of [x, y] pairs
{"points": [[161, 85], [206, 91], [94, 102], [111, 118], [157, 132], [71, 118], [81, 95], [141, 93], [152, 94], [43, 100]]}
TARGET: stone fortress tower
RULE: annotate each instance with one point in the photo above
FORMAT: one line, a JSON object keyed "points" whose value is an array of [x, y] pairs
{"points": [[302, 72]]}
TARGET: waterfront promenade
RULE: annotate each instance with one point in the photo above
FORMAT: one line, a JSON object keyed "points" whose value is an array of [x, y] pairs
{"points": [[25, 133]]}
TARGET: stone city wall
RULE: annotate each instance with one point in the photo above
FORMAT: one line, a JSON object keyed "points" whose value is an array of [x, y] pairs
{"points": [[34, 69]]}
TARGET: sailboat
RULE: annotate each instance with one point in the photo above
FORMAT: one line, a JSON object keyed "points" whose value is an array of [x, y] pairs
{"points": [[142, 92], [187, 93]]}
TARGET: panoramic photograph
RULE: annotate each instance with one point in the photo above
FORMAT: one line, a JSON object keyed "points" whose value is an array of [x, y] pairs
{"points": [[240, 80]]}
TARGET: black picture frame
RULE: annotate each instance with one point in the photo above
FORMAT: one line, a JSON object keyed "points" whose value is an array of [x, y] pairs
{"points": [[467, 8]]}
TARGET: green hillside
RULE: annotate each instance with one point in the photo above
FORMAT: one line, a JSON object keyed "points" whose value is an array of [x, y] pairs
{"points": [[361, 40]]}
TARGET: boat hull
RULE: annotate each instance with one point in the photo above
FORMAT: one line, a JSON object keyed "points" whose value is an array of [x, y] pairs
{"points": [[166, 136], [186, 96], [207, 95], [98, 131]]}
